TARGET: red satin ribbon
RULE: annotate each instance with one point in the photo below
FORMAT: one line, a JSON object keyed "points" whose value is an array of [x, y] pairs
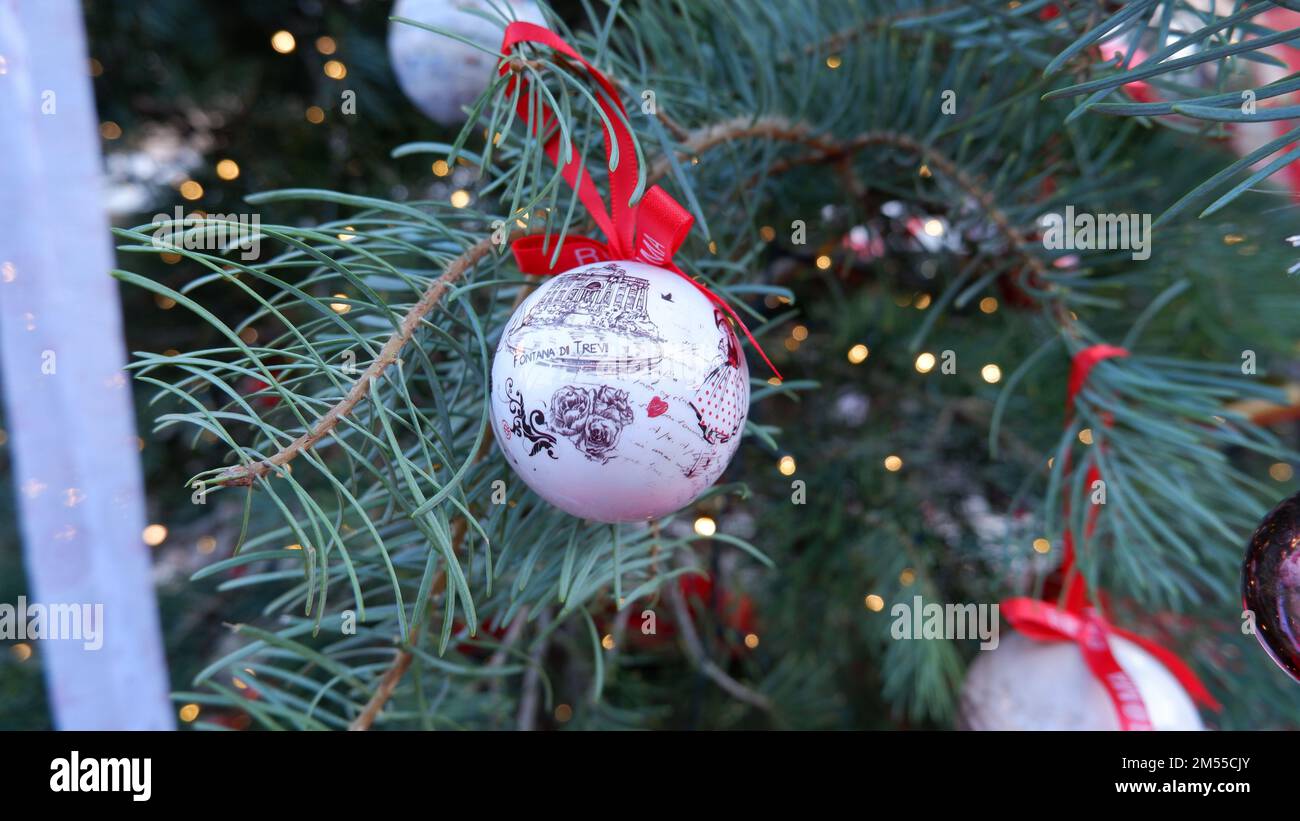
{"points": [[1076, 596], [649, 231], [1077, 622], [1282, 19]]}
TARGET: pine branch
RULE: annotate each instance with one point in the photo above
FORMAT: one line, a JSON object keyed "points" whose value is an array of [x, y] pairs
{"points": [[825, 149], [243, 475]]}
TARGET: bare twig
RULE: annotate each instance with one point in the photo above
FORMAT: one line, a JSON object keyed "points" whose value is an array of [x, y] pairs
{"points": [[393, 675], [695, 651], [387, 684], [531, 694]]}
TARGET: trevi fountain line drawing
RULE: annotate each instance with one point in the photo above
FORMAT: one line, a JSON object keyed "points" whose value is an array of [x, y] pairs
{"points": [[600, 323]]}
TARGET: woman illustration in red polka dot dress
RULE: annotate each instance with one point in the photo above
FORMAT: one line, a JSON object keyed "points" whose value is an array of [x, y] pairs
{"points": [[717, 404]]}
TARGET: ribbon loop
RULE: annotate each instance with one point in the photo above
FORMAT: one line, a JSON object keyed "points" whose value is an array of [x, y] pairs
{"points": [[648, 231]]}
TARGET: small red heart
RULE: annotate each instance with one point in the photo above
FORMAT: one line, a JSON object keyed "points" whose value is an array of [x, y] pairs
{"points": [[656, 407]]}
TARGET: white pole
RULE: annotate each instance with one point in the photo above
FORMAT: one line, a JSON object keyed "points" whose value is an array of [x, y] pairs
{"points": [[75, 458]]}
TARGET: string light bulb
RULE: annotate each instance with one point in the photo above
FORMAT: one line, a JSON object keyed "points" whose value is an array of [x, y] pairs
{"points": [[283, 42]]}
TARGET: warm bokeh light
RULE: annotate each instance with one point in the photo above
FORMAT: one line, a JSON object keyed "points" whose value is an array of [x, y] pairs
{"points": [[925, 362], [315, 115], [227, 169], [751, 640], [874, 603], [283, 42], [191, 190], [989, 305], [907, 577], [858, 354], [340, 307], [786, 466], [823, 262], [607, 642], [934, 227], [1085, 436], [893, 464], [335, 70], [704, 526], [154, 535], [1042, 545], [800, 332], [110, 130], [1280, 471], [992, 373], [833, 61], [440, 168], [189, 712], [563, 713], [326, 45], [460, 198]]}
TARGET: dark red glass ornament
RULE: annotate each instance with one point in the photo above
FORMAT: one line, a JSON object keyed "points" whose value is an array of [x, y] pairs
{"points": [[1270, 581]]}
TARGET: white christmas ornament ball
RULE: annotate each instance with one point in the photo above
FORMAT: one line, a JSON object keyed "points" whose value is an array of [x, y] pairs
{"points": [[1046, 685], [442, 75], [619, 392]]}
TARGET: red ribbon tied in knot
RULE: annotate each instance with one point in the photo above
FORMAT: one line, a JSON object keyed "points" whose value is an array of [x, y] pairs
{"points": [[1076, 621], [648, 231], [1042, 622]]}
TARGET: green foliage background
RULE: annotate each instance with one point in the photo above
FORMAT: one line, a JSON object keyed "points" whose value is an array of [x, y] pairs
{"points": [[769, 113]]}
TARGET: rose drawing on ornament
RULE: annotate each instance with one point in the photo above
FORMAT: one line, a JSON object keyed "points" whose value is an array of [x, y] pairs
{"points": [[717, 402], [526, 424], [591, 418]]}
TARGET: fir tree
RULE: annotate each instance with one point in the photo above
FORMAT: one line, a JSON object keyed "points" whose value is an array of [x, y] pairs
{"points": [[868, 181]]}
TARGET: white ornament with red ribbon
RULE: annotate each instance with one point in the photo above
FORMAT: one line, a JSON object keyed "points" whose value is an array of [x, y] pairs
{"points": [[1025, 684], [619, 391]]}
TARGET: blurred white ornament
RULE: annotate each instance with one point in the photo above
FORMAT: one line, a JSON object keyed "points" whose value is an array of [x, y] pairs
{"points": [[619, 392], [851, 408], [442, 75], [1046, 685]]}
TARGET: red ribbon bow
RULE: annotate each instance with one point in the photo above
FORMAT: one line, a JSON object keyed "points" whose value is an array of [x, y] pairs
{"points": [[1077, 622], [649, 231]]}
